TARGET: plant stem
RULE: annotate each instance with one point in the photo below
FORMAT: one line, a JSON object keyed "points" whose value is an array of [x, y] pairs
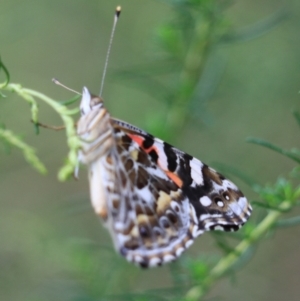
{"points": [[224, 265], [192, 69], [72, 138], [29, 153]]}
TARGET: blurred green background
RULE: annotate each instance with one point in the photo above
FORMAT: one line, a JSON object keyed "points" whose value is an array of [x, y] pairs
{"points": [[52, 246]]}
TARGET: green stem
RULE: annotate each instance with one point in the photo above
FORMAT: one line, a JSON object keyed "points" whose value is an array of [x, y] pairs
{"points": [[191, 72], [29, 153], [72, 138], [224, 265]]}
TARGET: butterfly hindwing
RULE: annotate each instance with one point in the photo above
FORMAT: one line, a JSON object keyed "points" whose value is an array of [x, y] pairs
{"points": [[153, 222]]}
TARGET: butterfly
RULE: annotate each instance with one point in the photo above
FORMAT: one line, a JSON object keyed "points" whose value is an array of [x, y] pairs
{"points": [[154, 199]]}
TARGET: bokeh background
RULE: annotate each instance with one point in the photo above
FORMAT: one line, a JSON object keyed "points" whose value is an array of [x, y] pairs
{"points": [[52, 246]]}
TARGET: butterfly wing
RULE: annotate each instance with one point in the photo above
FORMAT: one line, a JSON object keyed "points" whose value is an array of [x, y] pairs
{"points": [[218, 203], [154, 198], [150, 219]]}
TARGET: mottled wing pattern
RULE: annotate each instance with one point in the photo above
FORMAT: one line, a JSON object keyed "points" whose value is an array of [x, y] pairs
{"points": [[218, 203], [152, 222], [154, 199]]}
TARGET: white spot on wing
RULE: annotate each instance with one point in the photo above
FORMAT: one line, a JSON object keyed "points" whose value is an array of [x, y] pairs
{"points": [[203, 217], [205, 201], [129, 257], [196, 232], [242, 202], [208, 224], [220, 204], [193, 213], [179, 251], [225, 185], [138, 258], [217, 188], [220, 228], [162, 158], [154, 261], [196, 171], [237, 210], [188, 243], [145, 194], [228, 184], [122, 239], [159, 140], [168, 258]]}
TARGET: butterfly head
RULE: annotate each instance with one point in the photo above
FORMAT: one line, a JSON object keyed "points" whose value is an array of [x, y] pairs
{"points": [[89, 102]]}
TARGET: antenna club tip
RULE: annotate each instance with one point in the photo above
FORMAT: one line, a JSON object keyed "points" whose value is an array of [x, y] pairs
{"points": [[118, 10]]}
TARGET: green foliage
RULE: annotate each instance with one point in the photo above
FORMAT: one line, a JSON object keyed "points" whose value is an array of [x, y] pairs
{"points": [[185, 43], [73, 141], [293, 154], [185, 72], [29, 152]]}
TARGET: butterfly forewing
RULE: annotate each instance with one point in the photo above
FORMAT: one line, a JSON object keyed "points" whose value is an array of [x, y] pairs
{"points": [[154, 198], [217, 201]]}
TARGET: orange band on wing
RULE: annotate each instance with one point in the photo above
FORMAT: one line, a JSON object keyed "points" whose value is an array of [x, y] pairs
{"points": [[139, 140], [174, 178]]}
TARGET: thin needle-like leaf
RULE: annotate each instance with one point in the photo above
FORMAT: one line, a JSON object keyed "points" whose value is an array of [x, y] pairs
{"points": [[275, 148], [29, 152], [7, 76]]}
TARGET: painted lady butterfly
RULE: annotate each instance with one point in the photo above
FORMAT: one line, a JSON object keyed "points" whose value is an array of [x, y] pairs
{"points": [[154, 198]]}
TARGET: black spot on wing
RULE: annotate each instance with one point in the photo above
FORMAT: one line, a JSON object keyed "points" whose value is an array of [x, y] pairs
{"points": [[153, 155], [171, 157], [126, 141], [195, 193], [144, 264], [143, 158], [184, 171], [148, 141], [231, 227]]}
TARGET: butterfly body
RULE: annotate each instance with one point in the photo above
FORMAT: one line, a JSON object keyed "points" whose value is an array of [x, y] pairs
{"points": [[154, 198]]}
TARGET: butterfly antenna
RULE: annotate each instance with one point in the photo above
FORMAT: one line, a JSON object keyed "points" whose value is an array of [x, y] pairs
{"points": [[57, 82], [116, 17]]}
